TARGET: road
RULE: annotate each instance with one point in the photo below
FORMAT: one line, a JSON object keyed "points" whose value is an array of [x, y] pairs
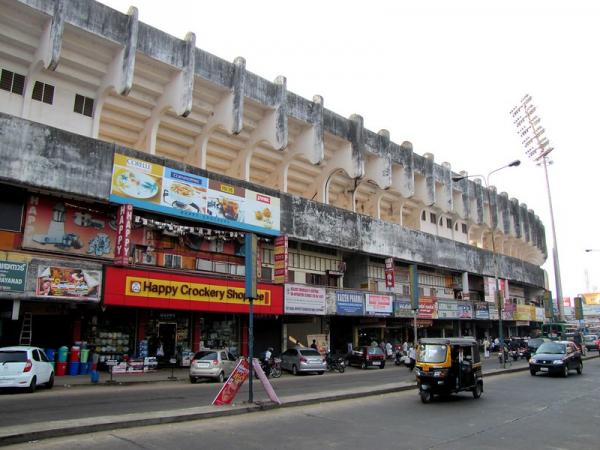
{"points": [[516, 411], [102, 400]]}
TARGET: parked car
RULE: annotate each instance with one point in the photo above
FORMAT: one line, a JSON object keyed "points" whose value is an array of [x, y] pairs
{"points": [[214, 364], [25, 367], [592, 342], [558, 357], [297, 360], [367, 357]]}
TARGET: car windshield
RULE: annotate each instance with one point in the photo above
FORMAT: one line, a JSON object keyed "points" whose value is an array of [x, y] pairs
{"points": [[375, 351], [535, 342], [590, 338], [206, 356], [432, 353], [552, 348], [7, 356], [309, 352]]}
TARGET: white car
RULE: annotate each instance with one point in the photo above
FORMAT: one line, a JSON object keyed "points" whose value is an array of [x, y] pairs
{"points": [[25, 367]]}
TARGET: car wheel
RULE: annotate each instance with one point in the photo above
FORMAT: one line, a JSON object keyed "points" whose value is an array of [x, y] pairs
{"points": [[382, 366], [32, 384], [477, 390], [193, 380], [363, 365], [50, 383], [580, 368], [532, 372], [321, 372], [425, 396], [294, 370], [341, 368], [565, 373], [221, 377]]}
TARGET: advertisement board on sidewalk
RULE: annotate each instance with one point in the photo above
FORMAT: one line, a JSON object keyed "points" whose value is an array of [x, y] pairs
{"points": [[233, 384]]}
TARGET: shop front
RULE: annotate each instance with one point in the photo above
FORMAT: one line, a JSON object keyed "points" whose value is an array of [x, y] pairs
{"points": [[177, 314], [304, 320]]}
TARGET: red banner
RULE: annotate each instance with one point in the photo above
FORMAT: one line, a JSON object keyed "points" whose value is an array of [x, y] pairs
{"points": [[426, 308], [233, 384], [123, 246], [187, 292]]}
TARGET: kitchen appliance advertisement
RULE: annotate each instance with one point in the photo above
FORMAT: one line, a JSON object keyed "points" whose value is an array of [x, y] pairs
{"points": [[156, 188]]}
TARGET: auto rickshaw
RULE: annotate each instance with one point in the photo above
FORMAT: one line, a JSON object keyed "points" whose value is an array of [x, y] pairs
{"points": [[448, 365]]}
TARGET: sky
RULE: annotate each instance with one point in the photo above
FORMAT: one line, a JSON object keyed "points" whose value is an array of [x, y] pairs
{"points": [[443, 75]]}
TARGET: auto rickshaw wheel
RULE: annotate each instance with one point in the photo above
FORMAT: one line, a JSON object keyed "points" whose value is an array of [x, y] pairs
{"points": [[477, 390], [425, 396]]}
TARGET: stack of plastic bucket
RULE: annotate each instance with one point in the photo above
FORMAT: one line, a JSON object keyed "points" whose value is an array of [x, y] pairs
{"points": [[61, 365], [74, 361], [51, 354], [84, 366]]}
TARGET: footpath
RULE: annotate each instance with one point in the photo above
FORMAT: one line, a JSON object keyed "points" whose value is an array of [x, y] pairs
{"points": [[45, 430]]}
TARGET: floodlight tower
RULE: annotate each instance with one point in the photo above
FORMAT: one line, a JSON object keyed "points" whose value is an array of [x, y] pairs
{"points": [[537, 148]]}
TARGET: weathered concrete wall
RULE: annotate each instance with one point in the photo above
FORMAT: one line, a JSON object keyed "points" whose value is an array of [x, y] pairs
{"points": [[357, 272], [47, 158], [40, 157], [306, 220]]}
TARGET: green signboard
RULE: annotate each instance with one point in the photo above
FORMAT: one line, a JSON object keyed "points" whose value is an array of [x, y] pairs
{"points": [[12, 276]]}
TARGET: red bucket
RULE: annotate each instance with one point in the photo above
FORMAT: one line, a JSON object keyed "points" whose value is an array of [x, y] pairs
{"points": [[61, 369], [74, 356]]}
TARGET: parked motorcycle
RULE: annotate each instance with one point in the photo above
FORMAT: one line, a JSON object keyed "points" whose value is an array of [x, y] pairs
{"points": [[335, 363]]}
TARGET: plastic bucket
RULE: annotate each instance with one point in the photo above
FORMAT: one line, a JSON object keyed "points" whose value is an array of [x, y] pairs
{"points": [[74, 368], [85, 352], [61, 369], [95, 376], [74, 356], [84, 368], [63, 352], [51, 354]]}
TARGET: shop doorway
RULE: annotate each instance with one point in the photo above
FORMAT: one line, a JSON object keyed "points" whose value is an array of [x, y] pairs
{"points": [[167, 332]]}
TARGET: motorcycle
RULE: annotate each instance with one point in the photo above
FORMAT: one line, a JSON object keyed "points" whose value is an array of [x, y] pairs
{"points": [[273, 369], [335, 363], [399, 358]]}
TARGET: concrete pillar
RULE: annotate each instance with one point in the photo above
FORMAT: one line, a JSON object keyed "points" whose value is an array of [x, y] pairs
{"points": [[357, 271], [465, 286]]}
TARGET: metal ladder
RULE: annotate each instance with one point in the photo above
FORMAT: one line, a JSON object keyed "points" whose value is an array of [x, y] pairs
{"points": [[26, 329]]}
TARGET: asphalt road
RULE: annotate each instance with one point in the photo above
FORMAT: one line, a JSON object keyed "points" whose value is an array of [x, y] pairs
{"points": [[102, 400], [516, 411]]}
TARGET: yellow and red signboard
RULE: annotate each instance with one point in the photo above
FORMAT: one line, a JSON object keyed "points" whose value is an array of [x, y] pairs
{"points": [[149, 289]]}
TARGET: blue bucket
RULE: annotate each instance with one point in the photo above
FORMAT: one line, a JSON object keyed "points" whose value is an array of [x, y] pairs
{"points": [[95, 376], [50, 353], [84, 368], [74, 368]]}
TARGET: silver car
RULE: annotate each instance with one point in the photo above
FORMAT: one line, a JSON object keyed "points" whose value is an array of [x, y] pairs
{"points": [[215, 364], [297, 360]]}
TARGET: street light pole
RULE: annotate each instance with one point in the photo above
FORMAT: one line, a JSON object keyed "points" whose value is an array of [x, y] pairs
{"points": [[497, 297]]}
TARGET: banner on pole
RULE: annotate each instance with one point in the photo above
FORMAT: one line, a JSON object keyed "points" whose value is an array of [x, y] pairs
{"points": [[233, 384], [265, 381]]}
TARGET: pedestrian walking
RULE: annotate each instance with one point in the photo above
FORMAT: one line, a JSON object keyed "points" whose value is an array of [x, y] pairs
{"points": [[389, 350], [412, 356], [405, 348], [486, 348]]}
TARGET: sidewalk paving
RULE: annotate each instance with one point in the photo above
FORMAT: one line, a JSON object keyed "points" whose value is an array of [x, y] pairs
{"points": [[46, 430]]}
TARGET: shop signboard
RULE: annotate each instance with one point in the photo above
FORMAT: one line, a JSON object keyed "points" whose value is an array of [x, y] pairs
{"points": [[124, 224], [303, 299], [427, 308], [159, 290], [403, 307], [153, 187], [508, 311], [389, 272], [539, 314], [68, 283], [379, 305], [522, 312], [465, 310], [12, 276], [281, 260], [447, 309], [481, 311], [350, 303], [489, 288], [493, 309], [66, 227]]}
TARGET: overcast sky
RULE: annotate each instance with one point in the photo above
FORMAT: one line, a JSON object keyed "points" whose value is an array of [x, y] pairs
{"points": [[442, 75]]}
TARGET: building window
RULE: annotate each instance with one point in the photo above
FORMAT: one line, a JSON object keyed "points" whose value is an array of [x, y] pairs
{"points": [[43, 92], [316, 279], [464, 228], [432, 218], [423, 216], [448, 223], [12, 82], [441, 221], [83, 105]]}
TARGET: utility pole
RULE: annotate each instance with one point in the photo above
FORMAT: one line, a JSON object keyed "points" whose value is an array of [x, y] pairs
{"points": [[537, 148]]}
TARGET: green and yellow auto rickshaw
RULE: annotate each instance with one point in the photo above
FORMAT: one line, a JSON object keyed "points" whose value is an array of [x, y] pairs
{"points": [[448, 365]]}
